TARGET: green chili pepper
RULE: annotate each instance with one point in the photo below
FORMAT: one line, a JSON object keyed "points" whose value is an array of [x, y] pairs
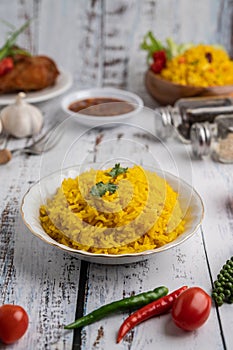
{"points": [[133, 302]]}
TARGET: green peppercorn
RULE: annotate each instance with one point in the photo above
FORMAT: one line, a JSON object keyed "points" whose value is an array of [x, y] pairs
{"points": [[217, 284], [214, 295], [222, 295], [229, 285], [223, 286], [219, 301], [222, 279], [227, 293], [226, 275], [220, 290]]}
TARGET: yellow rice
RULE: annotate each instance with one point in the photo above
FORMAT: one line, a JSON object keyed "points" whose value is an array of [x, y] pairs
{"points": [[201, 65], [144, 213]]}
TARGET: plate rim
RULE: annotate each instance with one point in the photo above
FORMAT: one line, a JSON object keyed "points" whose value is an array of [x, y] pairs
{"points": [[87, 255]]}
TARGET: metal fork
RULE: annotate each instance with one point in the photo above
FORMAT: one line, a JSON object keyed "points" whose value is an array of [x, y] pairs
{"points": [[43, 144]]}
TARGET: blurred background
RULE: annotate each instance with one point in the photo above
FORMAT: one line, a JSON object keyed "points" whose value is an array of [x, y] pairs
{"points": [[98, 40]]}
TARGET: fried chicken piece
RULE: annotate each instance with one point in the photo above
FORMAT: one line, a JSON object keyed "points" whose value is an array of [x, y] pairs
{"points": [[30, 73]]}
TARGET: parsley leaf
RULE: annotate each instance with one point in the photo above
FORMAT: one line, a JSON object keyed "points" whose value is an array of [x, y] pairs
{"points": [[100, 189], [117, 170]]}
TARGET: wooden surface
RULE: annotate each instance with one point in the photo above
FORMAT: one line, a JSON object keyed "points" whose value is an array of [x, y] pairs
{"points": [[97, 41]]}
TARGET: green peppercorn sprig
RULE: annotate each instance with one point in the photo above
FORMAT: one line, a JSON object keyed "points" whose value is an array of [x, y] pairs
{"points": [[223, 286]]}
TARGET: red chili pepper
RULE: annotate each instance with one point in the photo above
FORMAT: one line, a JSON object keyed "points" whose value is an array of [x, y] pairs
{"points": [[155, 308], [6, 65]]}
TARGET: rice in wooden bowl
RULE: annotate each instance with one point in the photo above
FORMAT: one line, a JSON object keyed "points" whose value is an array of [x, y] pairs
{"points": [[202, 70]]}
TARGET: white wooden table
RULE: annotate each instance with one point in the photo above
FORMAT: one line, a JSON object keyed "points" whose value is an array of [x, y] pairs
{"points": [[98, 42], [54, 286]]}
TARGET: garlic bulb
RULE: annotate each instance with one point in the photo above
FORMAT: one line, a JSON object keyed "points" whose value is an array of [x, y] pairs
{"points": [[21, 119]]}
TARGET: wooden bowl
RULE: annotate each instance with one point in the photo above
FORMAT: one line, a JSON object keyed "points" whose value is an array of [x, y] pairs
{"points": [[166, 92]]}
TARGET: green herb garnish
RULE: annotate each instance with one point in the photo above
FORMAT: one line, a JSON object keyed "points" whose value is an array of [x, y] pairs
{"points": [[152, 45], [117, 170], [9, 48], [100, 189]]}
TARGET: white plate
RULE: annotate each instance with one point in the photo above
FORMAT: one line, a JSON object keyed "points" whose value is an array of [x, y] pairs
{"points": [[63, 83], [190, 201], [106, 121]]}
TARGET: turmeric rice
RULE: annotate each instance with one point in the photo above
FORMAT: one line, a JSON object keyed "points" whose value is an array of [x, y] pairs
{"points": [[201, 65], [142, 214]]}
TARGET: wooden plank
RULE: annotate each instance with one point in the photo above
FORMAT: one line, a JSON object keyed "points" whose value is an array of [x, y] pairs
{"points": [[97, 41], [231, 35], [96, 48], [165, 269], [117, 38], [181, 265], [216, 191], [9, 13], [42, 279], [224, 22]]}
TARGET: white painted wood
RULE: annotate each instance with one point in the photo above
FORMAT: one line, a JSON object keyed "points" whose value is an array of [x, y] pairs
{"points": [[173, 269], [98, 42]]}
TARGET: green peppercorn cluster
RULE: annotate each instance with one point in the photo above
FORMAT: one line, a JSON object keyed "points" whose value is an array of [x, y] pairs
{"points": [[223, 286]]}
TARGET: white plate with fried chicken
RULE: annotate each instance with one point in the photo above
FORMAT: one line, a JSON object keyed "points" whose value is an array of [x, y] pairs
{"points": [[20, 71], [63, 83]]}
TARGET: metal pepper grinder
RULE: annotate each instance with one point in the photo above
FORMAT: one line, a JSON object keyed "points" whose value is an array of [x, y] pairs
{"points": [[214, 139], [178, 120]]}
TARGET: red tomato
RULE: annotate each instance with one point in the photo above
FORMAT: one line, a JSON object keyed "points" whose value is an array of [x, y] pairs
{"points": [[13, 323], [6, 65], [191, 309], [159, 62]]}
